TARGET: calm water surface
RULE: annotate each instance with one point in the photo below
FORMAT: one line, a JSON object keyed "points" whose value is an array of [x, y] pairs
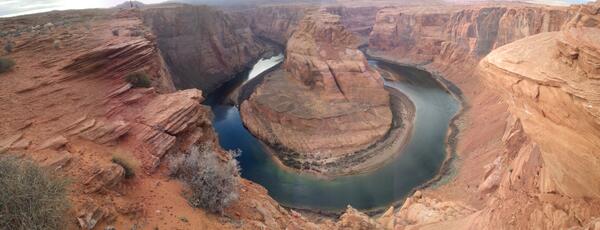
{"points": [[418, 163]]}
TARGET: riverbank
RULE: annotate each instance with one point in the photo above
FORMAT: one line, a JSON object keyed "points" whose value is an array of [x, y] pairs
{"points": [[447, 169], [364, 161], [373, 191]]}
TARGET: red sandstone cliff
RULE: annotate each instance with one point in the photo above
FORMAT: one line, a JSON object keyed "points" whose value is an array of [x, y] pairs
{"points": [[453, 32], [538, 172]]}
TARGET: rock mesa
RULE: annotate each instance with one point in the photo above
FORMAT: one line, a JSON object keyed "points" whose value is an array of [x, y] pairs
{"points": [[326, 101]]}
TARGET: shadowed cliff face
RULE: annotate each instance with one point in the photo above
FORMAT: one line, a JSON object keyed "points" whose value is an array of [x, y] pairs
{"points": [[275, 23], [203, 47]]}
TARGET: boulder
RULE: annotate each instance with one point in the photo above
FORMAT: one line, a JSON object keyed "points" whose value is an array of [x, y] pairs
{"points": [[105, 177]]}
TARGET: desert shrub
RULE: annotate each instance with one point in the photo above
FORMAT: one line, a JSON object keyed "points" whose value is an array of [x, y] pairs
{"points": [[6, 64], [30, 197], [126, 164], [139, 80], [213, 183], [115, 32]]}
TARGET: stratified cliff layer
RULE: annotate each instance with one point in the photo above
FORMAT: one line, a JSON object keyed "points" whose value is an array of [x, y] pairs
{"points": [[528, 168], [458, 32], [203, 47], [359, 19], [549, 168], [326, 102], [276, 23]]}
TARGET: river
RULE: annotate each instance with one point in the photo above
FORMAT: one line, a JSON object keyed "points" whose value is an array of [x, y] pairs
{"points": [[418, 162]]}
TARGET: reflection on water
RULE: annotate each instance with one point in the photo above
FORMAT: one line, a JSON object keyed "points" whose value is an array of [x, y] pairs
{"points": [[263, 65], [418, 163]]}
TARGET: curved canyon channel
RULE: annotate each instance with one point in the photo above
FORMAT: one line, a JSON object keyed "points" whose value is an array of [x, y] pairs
{"points": [[419, 161]]}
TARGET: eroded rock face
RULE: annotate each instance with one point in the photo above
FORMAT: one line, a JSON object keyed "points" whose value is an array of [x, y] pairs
{"points": [[452, 32], [536, 177], [553, 83], [547, 168], [327, 101], [203, 47], [276, 23], [357, 19]]}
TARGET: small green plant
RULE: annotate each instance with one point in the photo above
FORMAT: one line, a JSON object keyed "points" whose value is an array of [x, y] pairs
{"points": [[31, 197], [139, 80], [6, 64], [126, 164]]}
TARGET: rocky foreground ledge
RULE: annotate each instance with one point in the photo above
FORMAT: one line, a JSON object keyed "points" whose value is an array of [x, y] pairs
{"points": [[325, 104]]}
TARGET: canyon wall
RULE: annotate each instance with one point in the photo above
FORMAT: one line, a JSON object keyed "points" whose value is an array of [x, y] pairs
{"points": [[358, 19], [548, 81], [533, 167], [275, 23], [326, 102], [203, 47], [453, 32]]}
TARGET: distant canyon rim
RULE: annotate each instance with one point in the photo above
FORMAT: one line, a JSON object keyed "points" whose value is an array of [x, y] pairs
{"points": [[525, 155]]}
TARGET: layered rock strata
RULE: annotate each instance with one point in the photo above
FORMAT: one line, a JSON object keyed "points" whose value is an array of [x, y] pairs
{"points": [[552, 84], [326, 102], [276, 23], [524, 168], [452, 32], [203, 47]]}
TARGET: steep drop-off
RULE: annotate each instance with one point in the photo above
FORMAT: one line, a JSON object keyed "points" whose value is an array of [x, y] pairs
{"points": [[276, 23], [512, 171], [550, 161], [326, 102], [203, 47]]}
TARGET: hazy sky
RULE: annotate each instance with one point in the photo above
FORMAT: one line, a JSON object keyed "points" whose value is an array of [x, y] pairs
{"points": [[17, 7], [10, 8]]}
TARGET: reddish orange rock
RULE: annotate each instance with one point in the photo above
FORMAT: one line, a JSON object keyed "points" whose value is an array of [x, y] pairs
{"points": [[326, 102]]}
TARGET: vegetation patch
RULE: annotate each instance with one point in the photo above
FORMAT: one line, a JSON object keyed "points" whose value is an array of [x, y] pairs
{"points": [[30, 197], [126, 164], [212, 182], [6, 64], [139, 80]]}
